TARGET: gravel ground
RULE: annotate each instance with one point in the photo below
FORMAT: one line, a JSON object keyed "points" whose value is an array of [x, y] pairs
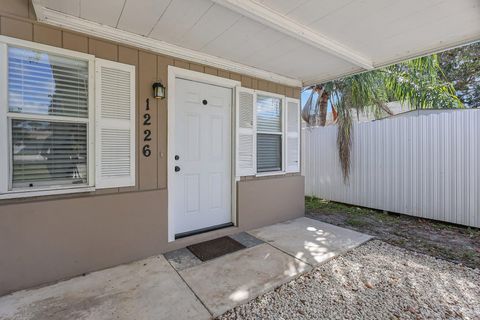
{"points": [[374, 281]]}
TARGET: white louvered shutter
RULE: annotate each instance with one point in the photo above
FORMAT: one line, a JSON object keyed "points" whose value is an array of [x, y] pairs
{"points": [[245, 132], [114, 124], [292, 135]]}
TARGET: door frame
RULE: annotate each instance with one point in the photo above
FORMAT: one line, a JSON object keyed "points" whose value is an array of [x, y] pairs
{"points": [[173, 74]]}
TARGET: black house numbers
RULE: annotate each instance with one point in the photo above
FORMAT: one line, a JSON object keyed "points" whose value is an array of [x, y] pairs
{"points": [[147, 121]]}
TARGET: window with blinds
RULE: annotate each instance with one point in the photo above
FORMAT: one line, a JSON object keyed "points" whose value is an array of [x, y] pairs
{"points": [[269, 134], [47, 118], [48, 153]]}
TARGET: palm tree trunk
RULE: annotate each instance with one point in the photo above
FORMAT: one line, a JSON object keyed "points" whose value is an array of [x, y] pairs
{"points": [[323, 108]]}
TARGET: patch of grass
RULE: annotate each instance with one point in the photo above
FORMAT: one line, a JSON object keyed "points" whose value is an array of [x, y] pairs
{"points": [[473, 232], [448, 253], [400, 241], [440, 225], [355, 222], [468, 255], [314, 204]]}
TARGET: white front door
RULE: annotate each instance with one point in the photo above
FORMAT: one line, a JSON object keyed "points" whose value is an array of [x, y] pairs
{"points": [[202, 153]]}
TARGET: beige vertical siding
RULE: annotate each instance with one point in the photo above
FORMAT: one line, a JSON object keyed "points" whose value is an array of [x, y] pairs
{"points": [[47, 35], [75, 42], [18, 8], [147, 69], [16, 28]]}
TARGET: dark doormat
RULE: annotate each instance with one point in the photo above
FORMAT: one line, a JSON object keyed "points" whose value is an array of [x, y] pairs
{"points": [[215, 248]]}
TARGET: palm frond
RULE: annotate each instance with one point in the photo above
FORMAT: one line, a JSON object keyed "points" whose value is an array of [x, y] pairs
{"points": [[418, 82]]}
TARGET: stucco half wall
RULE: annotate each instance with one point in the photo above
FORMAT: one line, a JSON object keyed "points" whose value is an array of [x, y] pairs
{"points": [[46, 241], [267, 201]]}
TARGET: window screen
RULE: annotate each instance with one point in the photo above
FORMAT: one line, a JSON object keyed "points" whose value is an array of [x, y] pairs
{"points": [[269, 134], [48, 119], [46, 84], [269, 152], [46, 153]]}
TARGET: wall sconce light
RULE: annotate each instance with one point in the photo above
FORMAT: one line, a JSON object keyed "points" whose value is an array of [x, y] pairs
{"points": [[158, 90]]}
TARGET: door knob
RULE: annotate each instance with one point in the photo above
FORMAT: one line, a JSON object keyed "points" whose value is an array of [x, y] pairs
{"points": [[177, 168], [177, 157]]}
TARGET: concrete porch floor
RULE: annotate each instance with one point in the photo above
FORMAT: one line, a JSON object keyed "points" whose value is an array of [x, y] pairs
{"points": [[155, 288]]}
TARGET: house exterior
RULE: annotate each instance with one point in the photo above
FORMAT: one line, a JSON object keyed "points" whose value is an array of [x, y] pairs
{"points": [[95, 171], [81, 229]]}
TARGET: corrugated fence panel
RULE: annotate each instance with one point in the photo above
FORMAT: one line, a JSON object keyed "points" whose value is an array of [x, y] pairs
{"points": [[425, 166]]}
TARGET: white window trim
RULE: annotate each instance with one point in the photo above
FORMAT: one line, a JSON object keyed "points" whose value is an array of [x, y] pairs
{"points": [[270, 173], [283, 133], [3, 120], [5, 143], [45, 192], [269, 94]]}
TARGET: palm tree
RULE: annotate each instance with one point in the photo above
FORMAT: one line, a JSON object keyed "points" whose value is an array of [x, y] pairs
{"points": [[419, 82]]}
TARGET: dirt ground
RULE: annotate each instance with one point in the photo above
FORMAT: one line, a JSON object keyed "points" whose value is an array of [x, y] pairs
{"points": [[442, 240]]}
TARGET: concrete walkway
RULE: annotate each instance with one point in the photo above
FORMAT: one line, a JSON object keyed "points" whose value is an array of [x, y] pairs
{"points": [[183, 288], [309, 240]]}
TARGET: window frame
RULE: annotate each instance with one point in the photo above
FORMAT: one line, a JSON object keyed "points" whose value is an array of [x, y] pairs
{"points": [[6, 192], [283, 132]]}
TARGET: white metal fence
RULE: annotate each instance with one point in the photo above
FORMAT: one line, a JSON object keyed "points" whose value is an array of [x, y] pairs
{"points": [[424, 166]]}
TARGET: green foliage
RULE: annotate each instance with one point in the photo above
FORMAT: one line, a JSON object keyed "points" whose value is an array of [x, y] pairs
{"points": [[461, 66], [418, 82], [356, 222], [313, 204], [421, 83]]}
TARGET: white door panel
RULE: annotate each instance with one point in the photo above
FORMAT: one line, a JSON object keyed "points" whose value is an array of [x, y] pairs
{"points": [[202, 187]]}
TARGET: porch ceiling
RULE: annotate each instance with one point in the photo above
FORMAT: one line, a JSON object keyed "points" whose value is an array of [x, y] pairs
{"points": [[290, 41]]}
